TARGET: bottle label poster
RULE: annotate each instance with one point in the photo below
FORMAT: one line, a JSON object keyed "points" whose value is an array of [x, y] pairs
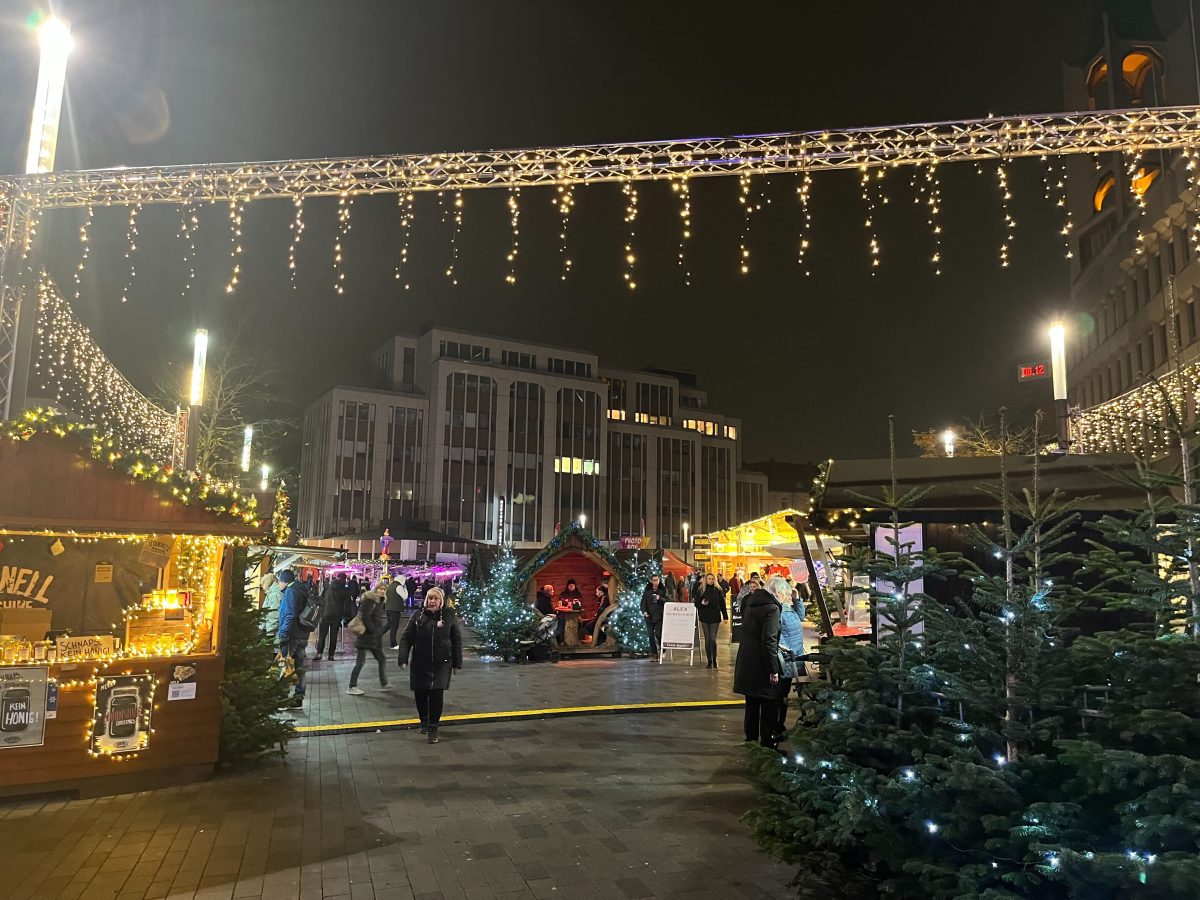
{"points": [[23, 706], [121, 721]]}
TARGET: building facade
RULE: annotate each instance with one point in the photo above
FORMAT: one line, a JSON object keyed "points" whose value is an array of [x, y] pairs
{"points": [[491, 439], [1133, 234]]}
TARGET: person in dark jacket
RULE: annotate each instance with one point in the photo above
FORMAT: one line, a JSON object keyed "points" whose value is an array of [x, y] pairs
{"points": [[355, 587], [655, 595], [589, 626], [333, 612], [433, 643], [370, 610], [410, 587], [710, 609], [545, 600], [571, 598], [291, 635], [757, 672], [397, 599]]}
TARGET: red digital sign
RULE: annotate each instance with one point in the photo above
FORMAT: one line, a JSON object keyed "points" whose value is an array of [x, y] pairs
{"points": [[1032, 372]]}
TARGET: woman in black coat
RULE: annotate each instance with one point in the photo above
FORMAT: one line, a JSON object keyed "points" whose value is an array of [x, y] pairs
{"points": [[758, 669], [433, 641], [370, 610], [710, 609]]}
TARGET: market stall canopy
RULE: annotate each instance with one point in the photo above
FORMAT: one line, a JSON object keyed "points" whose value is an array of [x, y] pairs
{"points": [[753, 536], [1093, 479]]}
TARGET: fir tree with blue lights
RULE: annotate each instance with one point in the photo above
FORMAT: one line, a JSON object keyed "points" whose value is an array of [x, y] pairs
{"points": [[505, 621]]}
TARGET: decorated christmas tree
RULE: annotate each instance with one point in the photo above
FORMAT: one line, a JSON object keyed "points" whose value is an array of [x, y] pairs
{"points": [[505, 620], [626, 622], [281, 529]]}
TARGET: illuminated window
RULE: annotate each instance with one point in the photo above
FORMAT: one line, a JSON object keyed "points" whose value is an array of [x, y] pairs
{"points": [[731, 432], [1097, 83], [1103, 197], [617, 415], [1143, 178], [1136, 65]]}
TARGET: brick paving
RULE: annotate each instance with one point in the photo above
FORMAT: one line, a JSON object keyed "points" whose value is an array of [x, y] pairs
{"points": [[614, 806]]}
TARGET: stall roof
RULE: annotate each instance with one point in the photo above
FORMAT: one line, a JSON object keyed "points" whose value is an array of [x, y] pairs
{"points": [[956, 482]]}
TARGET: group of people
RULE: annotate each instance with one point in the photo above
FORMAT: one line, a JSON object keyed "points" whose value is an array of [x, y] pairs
{"points": [[707, 593], [430, 646], [571, 601]]}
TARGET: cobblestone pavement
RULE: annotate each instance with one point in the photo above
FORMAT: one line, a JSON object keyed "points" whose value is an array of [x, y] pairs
{"points": [[612, 806]]}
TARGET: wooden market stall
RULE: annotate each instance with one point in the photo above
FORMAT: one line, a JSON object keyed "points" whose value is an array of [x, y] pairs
{"points": [[115, 579]]}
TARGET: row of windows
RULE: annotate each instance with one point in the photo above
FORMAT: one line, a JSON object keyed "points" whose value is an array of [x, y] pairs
{"points": [[468, 352], [573, 465], [516, 360], [569, 367], [1143, 357], [1139, 88], [647, 419]]}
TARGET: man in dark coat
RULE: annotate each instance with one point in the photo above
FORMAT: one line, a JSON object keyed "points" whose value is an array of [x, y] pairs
{"points": [[433, 643], [654, 597], [758, 669], [397, 599], [370, 611], [333, 612]]}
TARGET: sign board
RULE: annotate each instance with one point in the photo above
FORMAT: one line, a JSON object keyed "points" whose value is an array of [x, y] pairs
{"points": [[701, 542], [86, 646], [23, 706], [183, 683], [1033, 371], [909, 540], [500, 521], [701, 556], [121, 719], [104, 573], [156, 552], [679, 626]]}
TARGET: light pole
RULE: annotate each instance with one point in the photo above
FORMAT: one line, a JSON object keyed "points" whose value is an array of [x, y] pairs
{"points": [[685, 543], [948, 437], [54, 37], [266, 473], [196, 396], [1058, 371], [247, 444]]}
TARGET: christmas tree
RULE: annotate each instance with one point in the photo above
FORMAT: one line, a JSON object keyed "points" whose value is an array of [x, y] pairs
{"points": [[626, 622], [470, 597], [251, 690], [505, 621], [281, 529]]}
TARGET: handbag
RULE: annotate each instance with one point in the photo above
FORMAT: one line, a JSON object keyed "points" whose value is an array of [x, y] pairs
{"points": [[357, 626]]}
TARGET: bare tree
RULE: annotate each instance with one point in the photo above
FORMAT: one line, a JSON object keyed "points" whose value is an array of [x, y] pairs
{"points": [[979, 438]]}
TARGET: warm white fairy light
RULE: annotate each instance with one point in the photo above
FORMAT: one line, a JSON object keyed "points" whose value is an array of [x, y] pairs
{"points": [[405, 200], [933, 207], [870, 188], [236, 209], [747, 205], [514, 220], [1054, 190], [131, 239], [345, 201], [85, 247], [297, 229], [564, 202], [804, 196], [683, 188], [456, 216], [188, 224], [629, 189], [1135, 173], [35, 220], [1010, 224], [1138, 420]]}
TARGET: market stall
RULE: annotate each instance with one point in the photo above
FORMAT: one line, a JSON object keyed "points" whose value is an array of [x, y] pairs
{"points": [[115, 578]]}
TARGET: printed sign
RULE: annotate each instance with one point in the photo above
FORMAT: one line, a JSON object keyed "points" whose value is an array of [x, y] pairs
{"points": [[121, 719], [104, 573], [183, 683], [156, 552], [679, 626], [23, 706]]}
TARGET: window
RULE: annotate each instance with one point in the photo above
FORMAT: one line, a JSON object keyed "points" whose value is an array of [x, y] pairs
{"points": [[1136, 67], [469, 457], [1097, 84], [616, 415], [1141, 361], [731, 432], [467, 352], [1162, 341], [618, 399], [526, 436], [1104, 196], [1144, 294], [519, 360], [577, 456], [654, 404], [406, 439], [410, 367], [570, 367], [1191, 321], [1143, 178], [626, 485], [1155, 277]]}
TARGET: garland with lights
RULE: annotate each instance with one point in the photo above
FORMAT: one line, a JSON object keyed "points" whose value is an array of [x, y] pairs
{"points": [[190, 488], [281, 529]]}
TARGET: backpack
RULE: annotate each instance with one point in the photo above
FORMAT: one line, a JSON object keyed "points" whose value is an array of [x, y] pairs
{"points": [[310, 616]]}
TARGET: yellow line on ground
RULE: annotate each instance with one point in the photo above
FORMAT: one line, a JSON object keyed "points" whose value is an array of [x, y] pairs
{"points": [[518, 714]]}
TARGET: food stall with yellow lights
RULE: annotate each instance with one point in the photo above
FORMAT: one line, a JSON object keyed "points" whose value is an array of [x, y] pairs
{"points": [[115, 579]]}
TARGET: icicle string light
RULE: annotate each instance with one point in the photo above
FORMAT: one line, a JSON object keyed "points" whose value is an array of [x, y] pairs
{"points": [[804, 196], [564, 202], [189, 222], [684, 189], [747, 211], [514, 219], [629, 189], [1010, 224], [236, 209], [85, 247], [933, 207], [131, 239], [297, 229], [1054, 181], [870, 189], [407, 215], [345, 201], [456, 214]]}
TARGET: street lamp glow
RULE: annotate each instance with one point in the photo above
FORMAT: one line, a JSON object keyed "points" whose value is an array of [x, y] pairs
{"points": [[948, 442], [1058, 359], [685, 533], [199, 357], [54, 38], [266, 473], [583, 520], [247, 442]]}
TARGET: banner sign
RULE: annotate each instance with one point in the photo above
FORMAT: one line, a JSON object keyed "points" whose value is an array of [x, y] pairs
{"points": [[121, 719], [23, 706], [679, 626]]}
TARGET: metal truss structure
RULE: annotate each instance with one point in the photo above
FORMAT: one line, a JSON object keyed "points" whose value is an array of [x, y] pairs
{"points": [[1132, 131]]}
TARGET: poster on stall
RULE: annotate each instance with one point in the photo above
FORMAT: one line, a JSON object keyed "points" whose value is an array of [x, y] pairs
{"points": [[121, 719], [183, 683], [23, 706]]}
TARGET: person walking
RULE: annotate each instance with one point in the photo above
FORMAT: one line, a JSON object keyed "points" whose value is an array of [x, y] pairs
{"points": [[333, 612], [292, 635], [432, 642], [370, 613], [654, 597], [270, 606], [397, 599], [758, 669], [710, 609], [791, 645]]}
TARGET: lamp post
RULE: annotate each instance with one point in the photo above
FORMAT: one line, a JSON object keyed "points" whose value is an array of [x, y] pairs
{"points": [[196, 396], [583, 520], [1058, 371], [685, 543], [948, 437], [54, 37], [247, 443]]}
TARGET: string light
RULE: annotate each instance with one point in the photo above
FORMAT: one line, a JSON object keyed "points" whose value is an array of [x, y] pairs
{"points": [[804, 195], [1137, 421], [236, 209], [564, 201], [1010, 224], [345, 201], [188, 224], [870, 189], [683, 188], [407, 206], [629, 189], [131, 239], [1054, 190], [514, 218], [35, 220], [748, 208], [297, 230], [85, 247]]}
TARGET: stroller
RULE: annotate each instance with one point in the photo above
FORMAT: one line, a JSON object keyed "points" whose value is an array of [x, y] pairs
{"points": [[542, 646]]}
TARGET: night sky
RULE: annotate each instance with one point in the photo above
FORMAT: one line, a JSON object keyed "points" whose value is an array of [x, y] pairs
{"points": [[812, 365]]}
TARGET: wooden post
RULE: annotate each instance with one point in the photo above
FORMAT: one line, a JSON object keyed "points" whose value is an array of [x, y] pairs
{"points": [[797, 522]]}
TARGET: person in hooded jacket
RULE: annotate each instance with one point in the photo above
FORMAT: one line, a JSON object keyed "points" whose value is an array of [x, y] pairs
{"points": [[370, 610], [333, 610], [270, 605], [397, 600], [758, 670], [791, 640], [654, 596], [291, 634], [432, 642], [710, 610]]}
